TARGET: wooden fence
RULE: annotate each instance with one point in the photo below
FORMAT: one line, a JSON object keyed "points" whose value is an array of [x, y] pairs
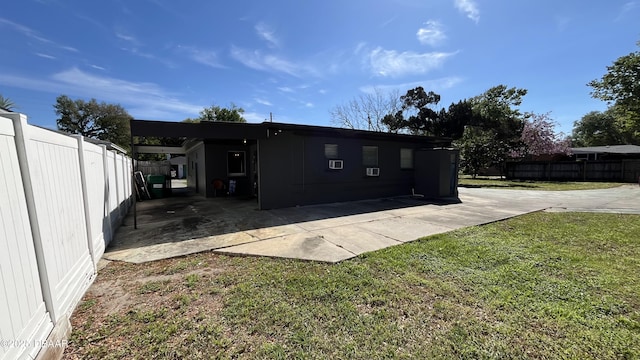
{"points": [[609, 170], [61, 200]]}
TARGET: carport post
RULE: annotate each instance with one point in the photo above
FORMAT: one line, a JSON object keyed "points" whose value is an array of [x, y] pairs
{"points": [[133, 179]]}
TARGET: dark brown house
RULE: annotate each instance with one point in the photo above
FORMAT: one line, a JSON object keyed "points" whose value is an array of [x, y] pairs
{"points": [[285, 165]]}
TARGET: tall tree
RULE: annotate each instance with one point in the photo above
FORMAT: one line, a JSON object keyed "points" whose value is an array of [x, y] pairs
{"points": [[366, 111], [217, 113], [451, 122], [498, 122], [416, 113], [101, 121], [621, 86], [6, 104], [540, 138], [597, 129]]}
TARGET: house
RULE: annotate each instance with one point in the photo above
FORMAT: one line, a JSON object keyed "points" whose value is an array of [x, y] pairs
{"points": [[608, 152], [285, 165]]}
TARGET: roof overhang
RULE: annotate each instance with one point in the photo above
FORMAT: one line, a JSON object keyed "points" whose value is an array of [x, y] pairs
{"points": [[157, 149]]}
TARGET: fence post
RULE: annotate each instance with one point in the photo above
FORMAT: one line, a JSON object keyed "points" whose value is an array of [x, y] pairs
{"points": [[107, 191], [85, 200], [20, 127]]}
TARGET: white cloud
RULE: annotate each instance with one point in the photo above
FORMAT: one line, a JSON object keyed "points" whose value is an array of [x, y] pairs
{"points": [[394, 64], [272, 63], [97, 67], [205, 57], [128, 38], [254, 117], [141, 99], [30, 33], [263, 102], [285, 89], [431, 34], [268, 34], [434, 85], [470, 8], [627, 8], [45, 56]]}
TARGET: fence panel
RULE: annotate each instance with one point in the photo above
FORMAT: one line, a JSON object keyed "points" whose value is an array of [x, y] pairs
{"points": [[57, 190], [96, 193], [609, 170], [23, 315]]}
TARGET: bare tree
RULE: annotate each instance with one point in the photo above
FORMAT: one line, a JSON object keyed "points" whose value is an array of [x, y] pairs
{"points": [[366, 111]]}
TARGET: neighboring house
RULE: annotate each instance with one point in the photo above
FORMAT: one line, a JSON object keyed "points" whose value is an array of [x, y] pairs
{"points": [[596, 163], [609, 152], [287, 165]]}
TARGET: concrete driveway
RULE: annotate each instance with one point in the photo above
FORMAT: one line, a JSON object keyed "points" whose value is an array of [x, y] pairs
{"points": [[186, 223]]}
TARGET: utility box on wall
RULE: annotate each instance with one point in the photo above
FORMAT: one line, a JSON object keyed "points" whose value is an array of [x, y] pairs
{"points": [[436, 172]]}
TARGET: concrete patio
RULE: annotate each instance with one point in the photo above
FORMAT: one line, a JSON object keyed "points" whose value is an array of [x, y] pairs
{"points": [[186, 223]]}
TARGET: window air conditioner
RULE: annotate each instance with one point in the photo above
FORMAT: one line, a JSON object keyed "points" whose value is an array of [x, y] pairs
{"points": [[335, 164], [373, 171]]}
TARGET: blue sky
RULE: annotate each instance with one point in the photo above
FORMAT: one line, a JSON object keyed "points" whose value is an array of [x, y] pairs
{"points": [[166, 60]]}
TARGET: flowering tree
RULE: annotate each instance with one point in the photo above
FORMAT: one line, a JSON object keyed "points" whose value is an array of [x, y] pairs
{"points": [[539, 137]]}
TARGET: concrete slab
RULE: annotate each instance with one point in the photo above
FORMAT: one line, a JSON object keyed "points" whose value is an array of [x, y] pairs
{"points": [[403, 229], [187, 223], [355, 239], [305, 246], [174, 249]]}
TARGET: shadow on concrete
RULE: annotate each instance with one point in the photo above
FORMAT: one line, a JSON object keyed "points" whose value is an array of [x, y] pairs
{"points": [[187, 216]]}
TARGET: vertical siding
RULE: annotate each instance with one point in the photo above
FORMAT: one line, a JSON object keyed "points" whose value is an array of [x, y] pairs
{"points": [[57, 189], [22, 310]]}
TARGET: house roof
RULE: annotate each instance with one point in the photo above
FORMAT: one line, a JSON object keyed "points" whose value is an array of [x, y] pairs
{"points": [[222, 130], [609, 149]]}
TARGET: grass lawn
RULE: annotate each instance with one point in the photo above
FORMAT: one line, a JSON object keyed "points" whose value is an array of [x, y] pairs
{"points": [[492, 182], [544, 285]]}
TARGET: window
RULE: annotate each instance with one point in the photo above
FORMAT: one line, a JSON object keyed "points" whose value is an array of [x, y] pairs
{"points": [[331, 151], [370, 156], [236, 165], [406, 158]]}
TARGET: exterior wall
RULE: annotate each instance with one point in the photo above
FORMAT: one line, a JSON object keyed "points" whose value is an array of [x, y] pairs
{"points": [[294, 170], [436, 172], [196, 168], [59, 193], [216, 154]]}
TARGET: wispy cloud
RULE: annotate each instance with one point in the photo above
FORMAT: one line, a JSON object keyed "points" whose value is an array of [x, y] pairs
{"points": [[265, 62], [390, 63], [562, 22], [141, 99], [267, 33], [263, 102], [202, 56], [431, 34], [97, 67], [627, 8], [45, 56], [285, 89], [32, 34], [469, 8], [128, 38], [254, 117], [433, 84]]}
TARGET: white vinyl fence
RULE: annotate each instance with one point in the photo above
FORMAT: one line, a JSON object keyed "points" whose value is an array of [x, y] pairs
{"points": [[61, 200]]}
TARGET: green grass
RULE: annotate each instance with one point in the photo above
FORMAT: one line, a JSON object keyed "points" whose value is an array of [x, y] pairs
{"points": [[544, 285], [492, 182]]}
